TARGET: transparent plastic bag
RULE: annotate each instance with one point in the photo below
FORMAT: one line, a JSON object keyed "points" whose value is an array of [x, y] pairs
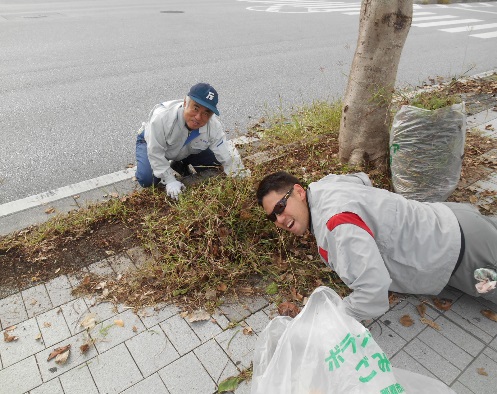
{"points": [[426, 151], [324, 351]]}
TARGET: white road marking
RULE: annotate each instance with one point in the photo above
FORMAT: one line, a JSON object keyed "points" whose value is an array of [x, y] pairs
{"points": [[431, 18], [443, 23], [469, 28], [491, 34]]}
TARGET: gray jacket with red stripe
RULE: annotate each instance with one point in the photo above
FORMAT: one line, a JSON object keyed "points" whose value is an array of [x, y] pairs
{"points": [[377, 241]]}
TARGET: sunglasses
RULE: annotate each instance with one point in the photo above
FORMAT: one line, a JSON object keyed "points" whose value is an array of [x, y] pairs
{"points": [[280, 206]]}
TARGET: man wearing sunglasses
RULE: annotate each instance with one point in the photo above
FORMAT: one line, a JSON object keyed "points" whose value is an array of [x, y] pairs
{"points": [[180, 133], [378, 241]]}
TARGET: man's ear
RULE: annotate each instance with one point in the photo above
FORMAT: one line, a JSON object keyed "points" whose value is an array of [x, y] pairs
{"points": [[300, 191]]}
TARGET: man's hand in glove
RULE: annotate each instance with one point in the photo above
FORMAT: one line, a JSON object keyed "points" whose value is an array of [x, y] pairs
{"points": [[174, 188]]}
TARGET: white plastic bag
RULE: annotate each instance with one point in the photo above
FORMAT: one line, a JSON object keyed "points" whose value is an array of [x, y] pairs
{"points": [[323, 350], [426, 151]]}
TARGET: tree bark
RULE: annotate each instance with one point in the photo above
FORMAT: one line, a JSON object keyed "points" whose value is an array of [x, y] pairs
{"points": [[364, 127]]}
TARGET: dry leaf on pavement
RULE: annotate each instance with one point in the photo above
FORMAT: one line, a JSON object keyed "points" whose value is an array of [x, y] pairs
{"points": [[288, 309], [444, 304], [84, 348], [430, 323], [421, 309], [89, 321], [489, 314], [38, 337], [198, 315], [58, 351], [135, 329], [406, 321], [62, 357], [248, 331], [295, 295], [222, 287], [11, 328], [481, 371], [9, 338], [119, 323]]}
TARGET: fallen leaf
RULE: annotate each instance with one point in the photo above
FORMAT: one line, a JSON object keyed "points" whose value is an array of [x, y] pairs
{"points": [[11, 328], [481, 371], [489, 314], [222, 287], [198, 315], [33, 302], [229, 384], [134, 329], [47, 324], [184, 314], [58, 351], [50, 210], [62, 357], [443, 304], [84, 348], [489, 127], [393, 299], [430, 323], [57, 270], [295, 295], [473, 199], [119, 323], [421, 309], [109, 252], [89, 321], [288, 309], [406, 321], [210, 294], [38, 337], [248, 331], [9, 338]]}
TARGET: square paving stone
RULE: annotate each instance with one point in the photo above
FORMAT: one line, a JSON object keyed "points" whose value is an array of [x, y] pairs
{"points": [[215, 361], [151, 316], [103, 309], [180, 334], [50, 369], [25, 346], [53, 326], [469, 326], [254, 303], [36, 300], [151, 350], [51, 387], [205, 329], [59, 290], [460, 336], [258, 321], [114, 370], [489, 352], [152, 384], [481, 384], [139, 256], [405, 361], [121, 263], [102, 268], [238, 346], [387, 339], [12, 310], [446, 348], [187, 375], [459, 388], [439, 366], [108, 334], [20, 377], [74, 312], [391, 319], [235, 311], [470, 309], [78, 381], [76, 277]]}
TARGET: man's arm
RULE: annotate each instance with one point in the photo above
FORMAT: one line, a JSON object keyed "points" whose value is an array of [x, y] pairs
{"points": [[357, 260], [156, 149]]}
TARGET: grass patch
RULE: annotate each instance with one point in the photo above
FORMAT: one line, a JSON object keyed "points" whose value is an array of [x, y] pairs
{"points": [[435, 100]]}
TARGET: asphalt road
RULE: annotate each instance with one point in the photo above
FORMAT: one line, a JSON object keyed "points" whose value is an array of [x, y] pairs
{"points": [[77, 78]]}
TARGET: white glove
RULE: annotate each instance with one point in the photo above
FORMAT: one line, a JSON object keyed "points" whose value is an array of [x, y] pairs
{"points": [[242, 173], [174, 188]]}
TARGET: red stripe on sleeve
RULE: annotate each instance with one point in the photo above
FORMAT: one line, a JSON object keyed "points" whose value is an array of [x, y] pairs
{"points": [[347, 218], [323, 253]]}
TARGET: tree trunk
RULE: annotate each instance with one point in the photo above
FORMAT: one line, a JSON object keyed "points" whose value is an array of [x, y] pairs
{"points": [[364, 127]]}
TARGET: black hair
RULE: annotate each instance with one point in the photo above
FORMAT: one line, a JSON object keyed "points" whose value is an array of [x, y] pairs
{"points": [[279, 181]]}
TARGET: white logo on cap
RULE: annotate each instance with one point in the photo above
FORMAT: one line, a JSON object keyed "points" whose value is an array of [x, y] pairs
{"points": [[210, 96]]}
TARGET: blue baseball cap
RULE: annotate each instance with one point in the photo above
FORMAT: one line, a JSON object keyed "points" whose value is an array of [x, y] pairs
{"points": [[204, 94]]}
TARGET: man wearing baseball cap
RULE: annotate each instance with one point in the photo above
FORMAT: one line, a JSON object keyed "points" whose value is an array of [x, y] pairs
{"points": [[181, 133]]}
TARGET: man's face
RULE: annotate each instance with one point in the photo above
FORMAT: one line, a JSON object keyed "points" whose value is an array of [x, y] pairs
{"points": [[295, 216], [196, 115]]}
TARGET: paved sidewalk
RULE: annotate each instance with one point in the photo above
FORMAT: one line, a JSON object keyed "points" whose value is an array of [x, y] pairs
{"points": [[157, 350]]}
